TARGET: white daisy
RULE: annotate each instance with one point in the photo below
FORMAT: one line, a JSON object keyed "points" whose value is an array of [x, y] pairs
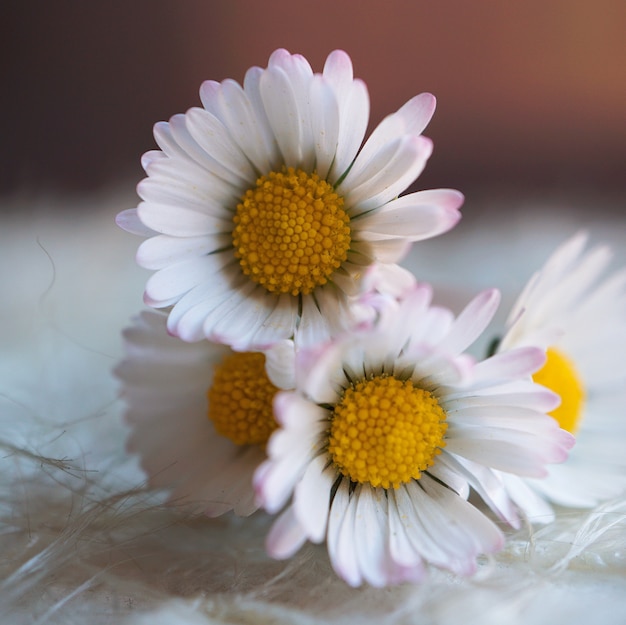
{"points": [[200, 413], [569, 309], [262, 212], [371, 443]]}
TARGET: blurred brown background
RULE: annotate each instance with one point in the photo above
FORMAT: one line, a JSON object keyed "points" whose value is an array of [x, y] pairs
{"points": [[532, 94]]}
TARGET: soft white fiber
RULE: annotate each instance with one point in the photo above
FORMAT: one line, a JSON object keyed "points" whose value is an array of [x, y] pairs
{"points": [[81, 541]]}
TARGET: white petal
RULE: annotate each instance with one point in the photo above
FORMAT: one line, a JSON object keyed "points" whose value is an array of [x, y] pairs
{"points": [[163, 250], [449, 200], [210, 196], [452, 478], [252, 88], [175, 150], [327, 313], [535, 508], [311, 500], [186, 321], [165, 384], [453, 532], [567, 293], [234, 319], [186, 375], [388, 279], [417, 113], [347, 280], [574, 485], [409, 501], [373, 182], [514, 417], [284, 90], [371, 535], [435, 372], [341, 544], [387, 252], [229, 102], [324, 124], [400, 547], [285, 537], [408, 217], [312, 329], [186, 132], [512, 364], [410, 119], [486, 482], [279, 324], [481, 531], [306, 437], [338, 70], [515, 452], [230, 485], [280, 364], [522, 393], [148, 341], [354, 118], [180, 221], [319, 373], [129, 220], [274, 482], [187, 317], [174, 281], [223, 156], [292, 409], [152, 156], [451, 546], [432, 327], [472, 321], [544, 309], [552, 271], [354, 109], [183, 175]]}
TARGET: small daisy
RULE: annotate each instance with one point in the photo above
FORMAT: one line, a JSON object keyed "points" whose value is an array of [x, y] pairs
{"points": [[579, 318], [200, 413], [371, 443], [262, 212]]}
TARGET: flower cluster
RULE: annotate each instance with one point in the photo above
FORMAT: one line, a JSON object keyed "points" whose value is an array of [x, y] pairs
{"points": [[294, 366]]}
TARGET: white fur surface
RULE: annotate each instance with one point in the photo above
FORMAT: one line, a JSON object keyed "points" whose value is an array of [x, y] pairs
{"points": [[82, 542]]}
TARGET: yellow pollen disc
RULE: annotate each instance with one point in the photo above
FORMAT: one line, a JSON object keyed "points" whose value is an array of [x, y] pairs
{"points": [[560, 376], [386, 431], [240, 399], [291, 232]]}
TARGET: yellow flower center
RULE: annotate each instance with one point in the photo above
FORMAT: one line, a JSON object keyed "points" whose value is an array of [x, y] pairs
{"points": [[386, 431], [240, 399], [560, 376], [291, 232]]}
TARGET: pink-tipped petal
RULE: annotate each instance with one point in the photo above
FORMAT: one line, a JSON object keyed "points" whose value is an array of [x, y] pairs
{"points": [[286, 536]]}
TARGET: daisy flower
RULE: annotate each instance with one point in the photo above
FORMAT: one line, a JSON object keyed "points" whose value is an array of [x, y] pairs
{"points": [[262, 209], [200, 414], [368, 453], [579, 317]]}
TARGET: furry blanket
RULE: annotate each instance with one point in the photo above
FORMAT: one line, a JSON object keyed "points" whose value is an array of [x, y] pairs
{"points": [[81, 540]]}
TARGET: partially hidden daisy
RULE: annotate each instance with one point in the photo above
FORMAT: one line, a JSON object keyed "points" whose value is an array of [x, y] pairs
{"points": [[262, 209], [369, 453], [200, 413], [577, 313]]}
